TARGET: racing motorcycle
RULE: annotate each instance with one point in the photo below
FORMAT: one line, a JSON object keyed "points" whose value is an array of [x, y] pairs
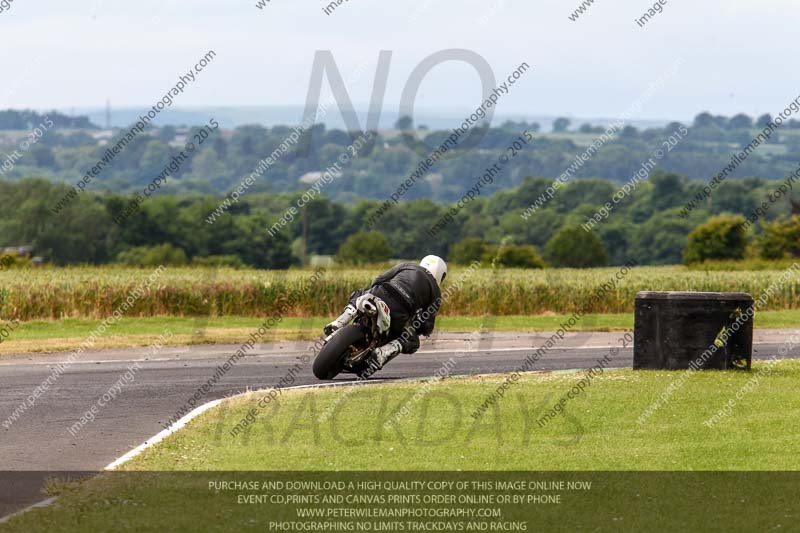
{"points": [[349, 349]]}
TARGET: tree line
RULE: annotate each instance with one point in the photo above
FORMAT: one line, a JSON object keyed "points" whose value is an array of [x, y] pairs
{"points": [[646, 226]]}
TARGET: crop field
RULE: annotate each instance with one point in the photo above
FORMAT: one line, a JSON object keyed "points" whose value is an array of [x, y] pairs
{"points": [[95, 293]]}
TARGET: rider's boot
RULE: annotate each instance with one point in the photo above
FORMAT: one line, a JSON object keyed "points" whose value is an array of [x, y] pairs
{"points": [[387, 352], [344, 319]]}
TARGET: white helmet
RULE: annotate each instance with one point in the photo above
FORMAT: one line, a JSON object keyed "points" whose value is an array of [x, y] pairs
{"points": [[436, 266]]}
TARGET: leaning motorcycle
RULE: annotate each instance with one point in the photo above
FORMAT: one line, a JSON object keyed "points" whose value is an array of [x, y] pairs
{"points": [[350, 349]]}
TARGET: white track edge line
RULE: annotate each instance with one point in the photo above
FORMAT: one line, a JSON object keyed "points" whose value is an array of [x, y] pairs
{"points": [[163, 434], [43, 503]]}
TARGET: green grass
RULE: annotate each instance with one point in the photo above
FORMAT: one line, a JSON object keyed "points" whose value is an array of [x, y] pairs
{"points": [[68, 334], [598, 432]]}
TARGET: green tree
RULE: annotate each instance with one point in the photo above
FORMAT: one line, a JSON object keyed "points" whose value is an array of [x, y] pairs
{"points": [[79, 233], [323, 218], [166, 134], [561, 124], [722, 237], [363, 248], [667, 190], [721, 121], [704, 120], [254, 245], [156, 155], [740, 121], [660, 239], [576, 248], [468, 250], [735, 197], [153, 256], [517, 256], [404, 123], [43, 156], [763, 120], [616, 236], [206, 166], [781, 239], [219, 261]]}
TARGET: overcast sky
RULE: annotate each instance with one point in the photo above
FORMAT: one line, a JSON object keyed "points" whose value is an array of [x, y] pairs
{"points": [[740, 56]]}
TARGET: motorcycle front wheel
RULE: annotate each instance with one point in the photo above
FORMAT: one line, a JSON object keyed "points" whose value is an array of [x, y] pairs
{"points": [[330, 360]]}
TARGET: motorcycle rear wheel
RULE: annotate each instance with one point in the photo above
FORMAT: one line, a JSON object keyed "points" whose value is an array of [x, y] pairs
{"points": [[330, 360]]}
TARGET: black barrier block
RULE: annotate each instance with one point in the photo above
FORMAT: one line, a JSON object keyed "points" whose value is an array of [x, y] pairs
{"points": [[699, 330]]}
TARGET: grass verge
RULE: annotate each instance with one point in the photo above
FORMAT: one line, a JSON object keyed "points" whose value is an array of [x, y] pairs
{"points": [[308, 429]]}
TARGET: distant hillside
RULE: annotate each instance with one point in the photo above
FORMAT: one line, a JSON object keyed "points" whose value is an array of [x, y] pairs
{"points": [[11, 119], [223, 157]]}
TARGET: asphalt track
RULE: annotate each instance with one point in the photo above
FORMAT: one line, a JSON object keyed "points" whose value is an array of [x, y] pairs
{"points": [[39, 439]]}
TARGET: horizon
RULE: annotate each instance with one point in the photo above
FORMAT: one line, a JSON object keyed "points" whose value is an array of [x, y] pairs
{"points": [[426, 117]]}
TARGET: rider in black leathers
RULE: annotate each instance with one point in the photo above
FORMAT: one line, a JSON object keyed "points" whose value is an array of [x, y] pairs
{"points": [[413, 296]]}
